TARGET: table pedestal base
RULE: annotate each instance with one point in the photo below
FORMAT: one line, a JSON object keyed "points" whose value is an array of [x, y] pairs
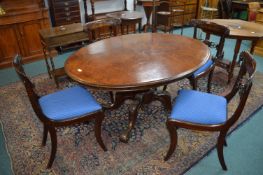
{"points": [[141, 97]]}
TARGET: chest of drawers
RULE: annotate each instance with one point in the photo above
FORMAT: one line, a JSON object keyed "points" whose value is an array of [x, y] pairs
{"points": [[64, 12]]}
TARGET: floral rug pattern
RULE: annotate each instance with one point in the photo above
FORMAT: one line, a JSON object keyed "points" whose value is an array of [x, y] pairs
{"points": [[79, 153]]}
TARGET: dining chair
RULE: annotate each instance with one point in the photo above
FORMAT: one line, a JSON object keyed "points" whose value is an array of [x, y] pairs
{"points": [[203, 111], [62, 108], [209, 29], [101, 29], [170, 15]]}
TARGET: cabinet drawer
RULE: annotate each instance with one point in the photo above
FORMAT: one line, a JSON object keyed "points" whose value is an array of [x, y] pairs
{"points": [[67, 20], [67, 14], [64, 4], [66, 9], [190, 9]]}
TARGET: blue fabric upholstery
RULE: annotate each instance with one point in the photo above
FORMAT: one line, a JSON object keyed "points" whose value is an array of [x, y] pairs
{"points": [[199, 107], [68, 103], [203, 68]]}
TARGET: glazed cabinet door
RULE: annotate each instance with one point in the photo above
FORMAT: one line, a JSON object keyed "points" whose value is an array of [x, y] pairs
{"points": [[9, 43], [30, 38]]}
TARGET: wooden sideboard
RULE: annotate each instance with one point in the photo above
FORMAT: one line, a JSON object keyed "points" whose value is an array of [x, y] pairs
{"points": [[19, 28], [64, 12]]}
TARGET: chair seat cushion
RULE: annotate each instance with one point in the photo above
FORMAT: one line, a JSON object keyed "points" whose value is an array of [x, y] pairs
{"points": [[203, 68], [199, 107], [68, 103]]}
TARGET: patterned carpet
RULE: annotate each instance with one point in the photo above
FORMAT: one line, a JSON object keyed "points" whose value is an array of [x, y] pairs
{"points": [[78, 151]]}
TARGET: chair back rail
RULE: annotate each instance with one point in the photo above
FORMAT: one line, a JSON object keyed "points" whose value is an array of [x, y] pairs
{"points": [[242, 84], [101, 29], [211, 28], [30, 88]]}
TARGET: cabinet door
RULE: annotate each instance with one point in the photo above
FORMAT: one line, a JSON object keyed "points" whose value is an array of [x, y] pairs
{"points": [[30, 38], [9, 43]]}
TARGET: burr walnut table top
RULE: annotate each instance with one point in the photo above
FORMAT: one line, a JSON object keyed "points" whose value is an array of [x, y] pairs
{"points": [[136, 61]]}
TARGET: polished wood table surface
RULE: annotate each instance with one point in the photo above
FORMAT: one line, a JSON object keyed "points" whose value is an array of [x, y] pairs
{"points": [[134, 65], [136, 61], [240, 30]]}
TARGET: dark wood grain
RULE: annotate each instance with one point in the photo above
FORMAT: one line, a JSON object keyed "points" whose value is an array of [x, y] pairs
{"points": [[136, 61]]}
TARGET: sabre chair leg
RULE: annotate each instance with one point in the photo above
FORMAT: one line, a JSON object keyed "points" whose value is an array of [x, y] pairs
{"points": [[173, 139], [225, 143], [97, 128], [193, 82], [45, 132], [164, 87], [53, 136], [220, 147]]}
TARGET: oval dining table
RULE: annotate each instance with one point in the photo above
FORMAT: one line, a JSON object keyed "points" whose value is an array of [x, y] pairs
{"points": [[133, 66]]}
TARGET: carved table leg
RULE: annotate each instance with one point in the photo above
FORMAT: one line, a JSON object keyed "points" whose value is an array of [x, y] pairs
{"points": [[133, 112], [144, 98], [46, 56], [148, 12]]}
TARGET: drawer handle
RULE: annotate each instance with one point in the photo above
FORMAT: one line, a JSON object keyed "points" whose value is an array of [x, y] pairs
{"points": [[68, 19], [66, 8], [66, 3], [67, 14]]}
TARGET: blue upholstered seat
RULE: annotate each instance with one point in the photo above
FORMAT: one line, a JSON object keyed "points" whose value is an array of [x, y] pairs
{"points": [[199, 107], [68, 103], [203, 68]]}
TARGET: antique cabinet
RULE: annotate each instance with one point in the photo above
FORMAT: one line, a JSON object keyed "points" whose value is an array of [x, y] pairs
{"points": [[64, 12], [19, 28]]}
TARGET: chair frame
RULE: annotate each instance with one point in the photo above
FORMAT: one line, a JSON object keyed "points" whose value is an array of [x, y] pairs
{"points": [[51, 125], [210, 28], [243, 86], [96, 30]]}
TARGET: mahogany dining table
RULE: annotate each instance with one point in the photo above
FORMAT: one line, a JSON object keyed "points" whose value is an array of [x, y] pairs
{"points": [[133, 66], [240, 30]]}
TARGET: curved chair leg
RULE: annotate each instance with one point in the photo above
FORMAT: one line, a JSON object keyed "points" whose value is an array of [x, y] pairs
{"points": [[97, 129], [53, 136], [225, 143], [220, 146], [210, 76], [44, 139], [164, 87], [173, 139], [193, 82]]}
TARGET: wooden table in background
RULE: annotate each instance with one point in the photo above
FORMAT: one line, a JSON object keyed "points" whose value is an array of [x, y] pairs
{"points": [[132, 66], [240, 30], [128, 18], [56, 37], [148, 8]]}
